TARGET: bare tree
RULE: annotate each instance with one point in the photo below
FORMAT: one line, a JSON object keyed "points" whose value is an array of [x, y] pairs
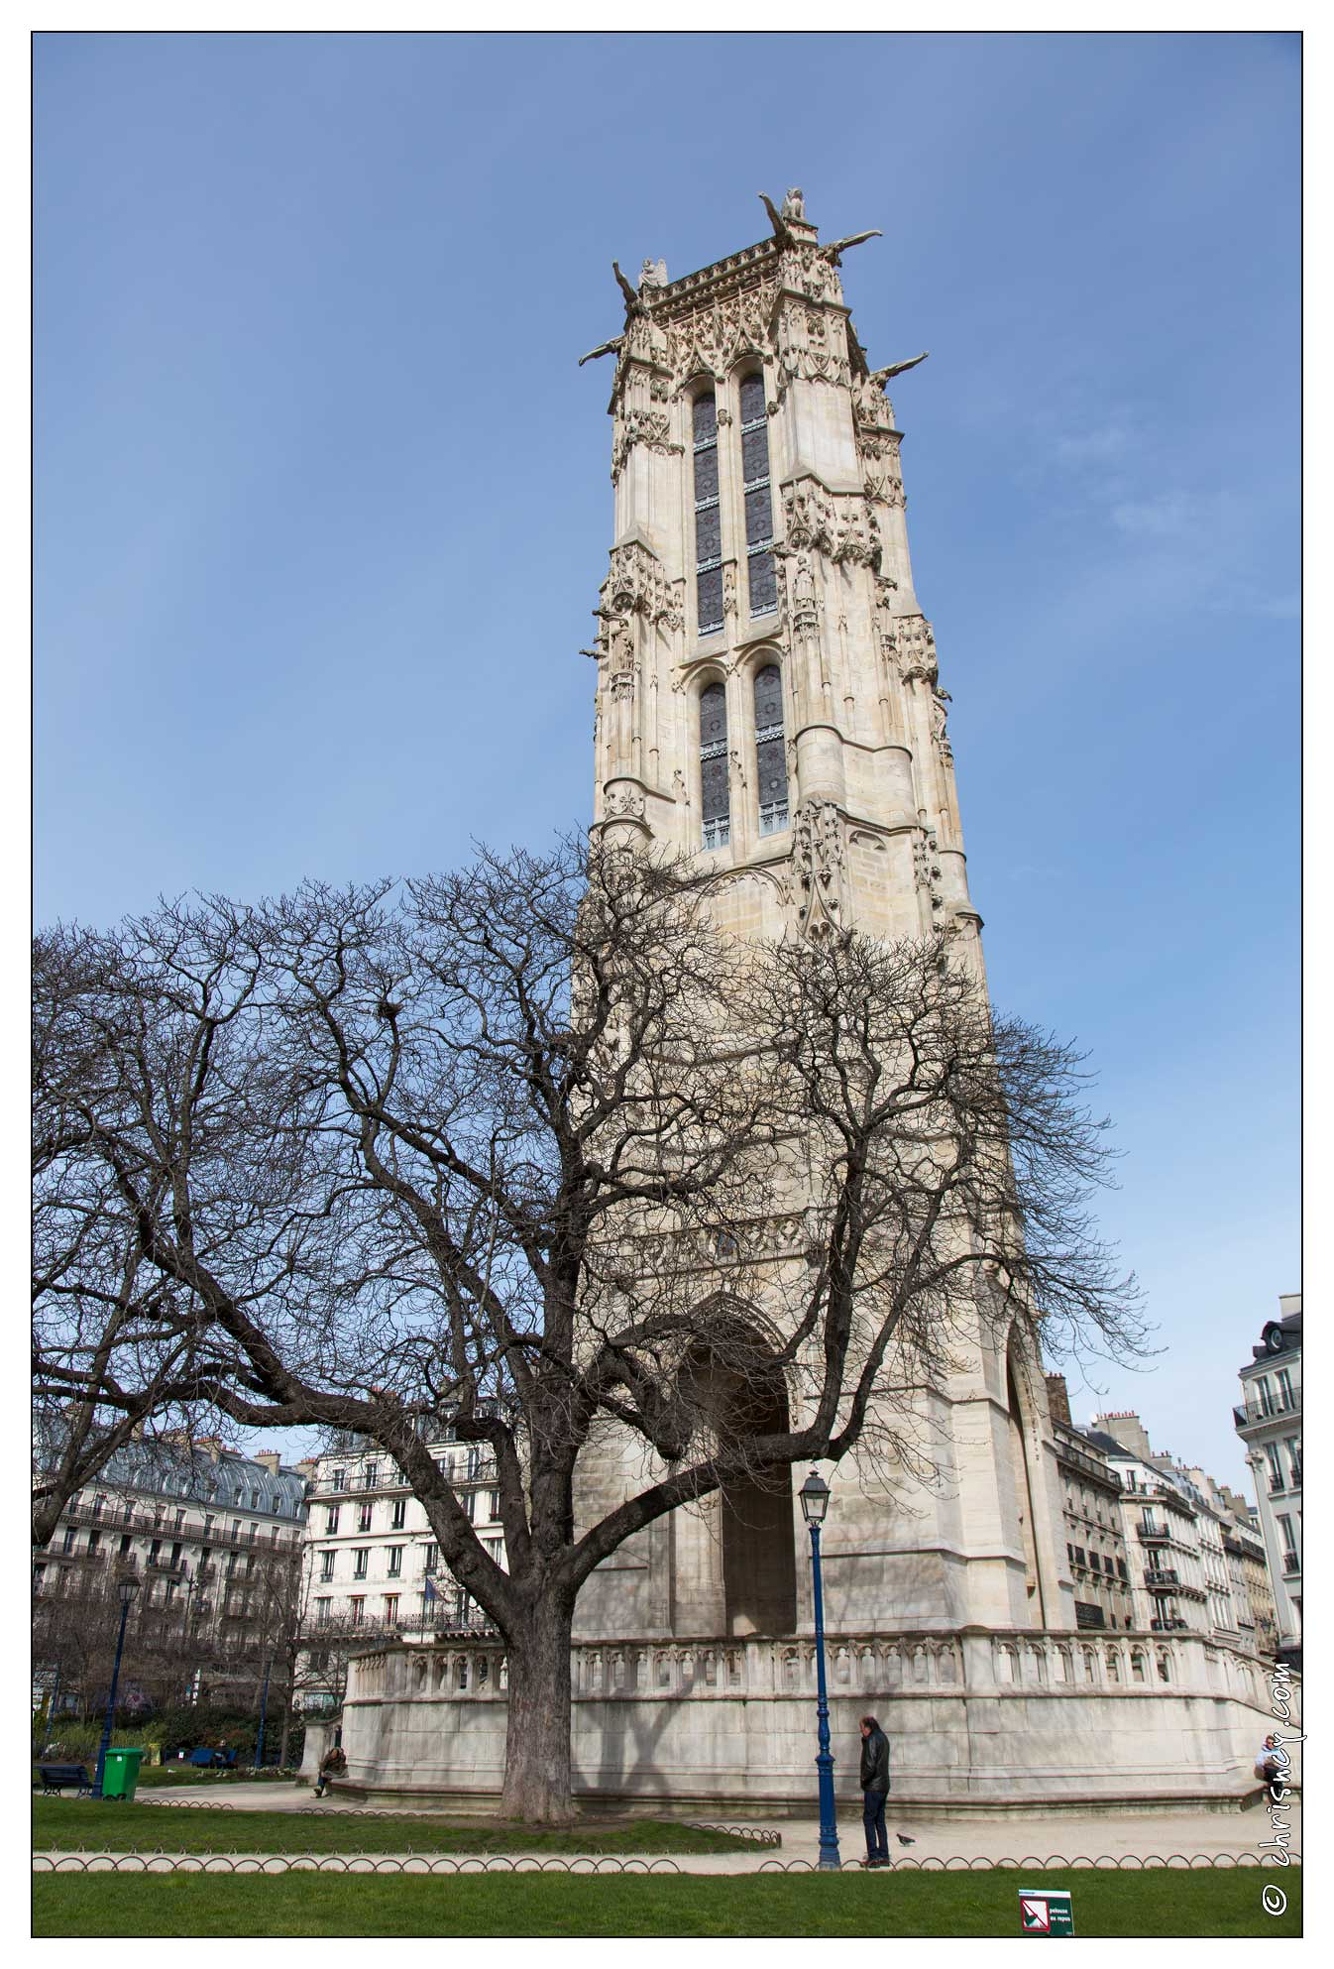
{"points": [[501, 1146], [115, 1348]]}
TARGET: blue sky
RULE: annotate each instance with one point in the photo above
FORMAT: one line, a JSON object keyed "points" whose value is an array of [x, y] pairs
{"points": [[322, 506]]}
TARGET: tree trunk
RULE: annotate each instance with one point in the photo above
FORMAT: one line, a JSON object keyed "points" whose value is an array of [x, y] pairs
{"points": [[537, 1744]]}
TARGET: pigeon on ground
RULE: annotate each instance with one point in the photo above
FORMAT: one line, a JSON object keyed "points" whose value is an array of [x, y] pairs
{"points": [[904, 1840]]}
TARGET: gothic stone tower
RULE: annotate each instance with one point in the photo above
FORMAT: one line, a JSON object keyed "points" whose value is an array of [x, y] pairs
{"points": [[768, 699]]}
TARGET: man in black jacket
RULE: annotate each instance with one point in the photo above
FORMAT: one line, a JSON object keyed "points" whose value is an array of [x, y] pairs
{"points": [[875, 1790]]}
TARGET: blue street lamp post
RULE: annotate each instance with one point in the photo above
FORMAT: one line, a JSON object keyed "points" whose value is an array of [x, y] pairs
{"points": [[814, 1495], [128, 1589], [263, 1715]]}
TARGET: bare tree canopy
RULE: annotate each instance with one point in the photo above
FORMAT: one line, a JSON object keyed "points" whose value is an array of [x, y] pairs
{"points": [[508, 1147]]}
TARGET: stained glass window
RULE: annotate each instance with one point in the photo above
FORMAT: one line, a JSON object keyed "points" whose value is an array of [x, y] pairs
{"points": [[770, 757], [708, 517], [713, 766], [761, 577]]}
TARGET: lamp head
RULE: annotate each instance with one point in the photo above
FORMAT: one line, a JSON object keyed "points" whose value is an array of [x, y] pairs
{"points": [[814, 1495], [129, 1591]]}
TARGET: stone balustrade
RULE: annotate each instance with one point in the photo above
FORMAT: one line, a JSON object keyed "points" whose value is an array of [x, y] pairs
{"points": [[971, 1661]]}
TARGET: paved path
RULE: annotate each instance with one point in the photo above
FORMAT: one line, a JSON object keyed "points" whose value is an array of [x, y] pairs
{"points": [[1142, 1834]]}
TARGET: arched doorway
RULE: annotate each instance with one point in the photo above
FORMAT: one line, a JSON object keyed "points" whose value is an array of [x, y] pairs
{"points": [[740, 1392]]}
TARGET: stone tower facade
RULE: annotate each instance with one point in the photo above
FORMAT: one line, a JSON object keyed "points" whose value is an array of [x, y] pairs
{"points": [[768, 701]]}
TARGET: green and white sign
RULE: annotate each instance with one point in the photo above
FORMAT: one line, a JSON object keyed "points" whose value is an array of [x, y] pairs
{"points": [[1046, 1911]]}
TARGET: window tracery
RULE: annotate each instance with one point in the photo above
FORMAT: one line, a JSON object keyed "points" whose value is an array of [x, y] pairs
{"points": [[761, 576], [770, 750], [714, 798], [708, 516]]}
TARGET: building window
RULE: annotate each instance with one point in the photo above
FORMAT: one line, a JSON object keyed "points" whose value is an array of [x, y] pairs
{"points": [[391, 1610], [99, 1505], [94, 1540], [236, 1527], [128, 1514], [360, 1560], [125, 1544], [322, 1613], [708, 516], [395, 1561], [364, 1517], [331, 1522], [715, 804], [770, 749], [494, 1549], [67, 1542], [431, 1557], [358, 1606], [399, 1514], [371, 1477], [340, 1480], [1294, 1449], [493, 1504], [1285, 1401], [326, 1565], [1291, 1557], [208, 1524], [1275, 1463], [761, 579]]}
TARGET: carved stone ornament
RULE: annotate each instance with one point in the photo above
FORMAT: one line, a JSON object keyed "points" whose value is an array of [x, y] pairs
{"points": [[926, 863], [915, 647], [636, 585], [647, 427], [819, 869], [812, 344], [939, 699], [623, 685], [625, 802], [840, 526], [803, 603]]}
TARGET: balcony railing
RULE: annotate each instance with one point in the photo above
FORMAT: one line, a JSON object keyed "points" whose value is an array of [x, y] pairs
{"points": [[1162, 1578], [1264, 1411], [1172, 1625]]}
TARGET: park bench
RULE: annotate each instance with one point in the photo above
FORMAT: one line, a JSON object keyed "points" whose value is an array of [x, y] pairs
{"points": [[55, 1777], [212, 1760]]}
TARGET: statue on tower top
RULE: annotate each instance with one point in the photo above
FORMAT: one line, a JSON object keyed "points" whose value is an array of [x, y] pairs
{"points": [[794, 205]]}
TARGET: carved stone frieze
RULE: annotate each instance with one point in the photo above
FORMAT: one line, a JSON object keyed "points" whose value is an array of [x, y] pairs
{"points": [[713, 337], [818, 879]]}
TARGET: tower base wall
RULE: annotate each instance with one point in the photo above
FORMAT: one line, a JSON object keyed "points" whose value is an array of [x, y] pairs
{"points": [[978, 1721]]}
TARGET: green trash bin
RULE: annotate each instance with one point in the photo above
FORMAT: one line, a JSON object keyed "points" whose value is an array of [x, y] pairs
{"points": [[121, 1774]]}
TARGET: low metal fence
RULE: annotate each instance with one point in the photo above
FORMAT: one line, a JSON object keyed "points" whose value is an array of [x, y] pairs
{"points": [[81, 1861]]}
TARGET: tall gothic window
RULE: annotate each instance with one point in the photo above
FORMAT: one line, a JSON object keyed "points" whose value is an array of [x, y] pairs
{"points": [[713, 766], [762, 581], [708, 517], [770, 760]]}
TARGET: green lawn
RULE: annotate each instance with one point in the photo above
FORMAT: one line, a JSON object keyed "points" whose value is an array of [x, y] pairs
{"points": [[1166, 1901], [66, 1823]]}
